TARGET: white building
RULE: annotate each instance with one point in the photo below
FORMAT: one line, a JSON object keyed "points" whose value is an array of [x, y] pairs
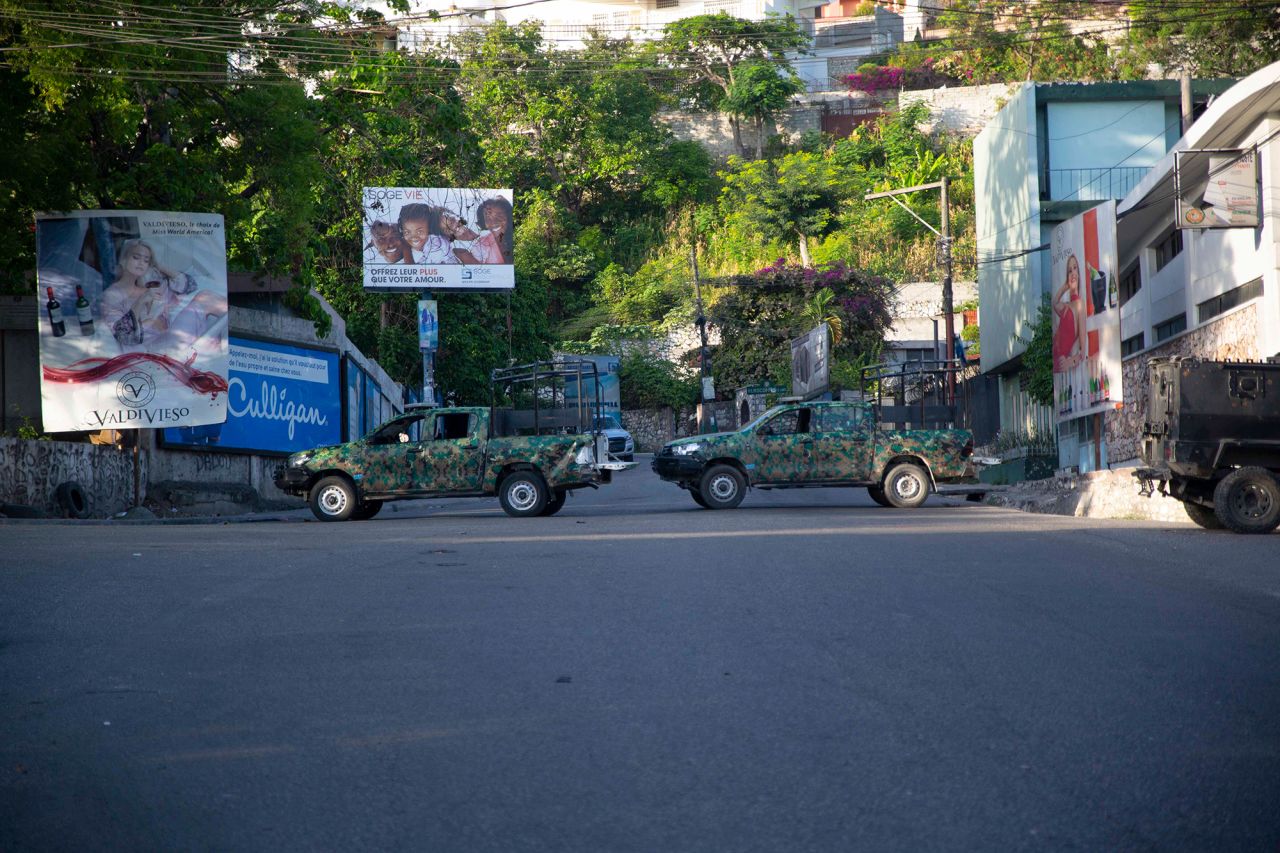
{"points": [[1209, 293], [845, 32], [1053, 151]]}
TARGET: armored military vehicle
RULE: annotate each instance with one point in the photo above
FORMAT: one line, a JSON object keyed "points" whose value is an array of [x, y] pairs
{"points": [[528, 447], [805, 445], [1211, 439]]}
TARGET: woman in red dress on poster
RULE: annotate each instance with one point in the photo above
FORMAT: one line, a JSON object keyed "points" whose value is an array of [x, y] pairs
{"points": [[1068, 347]]}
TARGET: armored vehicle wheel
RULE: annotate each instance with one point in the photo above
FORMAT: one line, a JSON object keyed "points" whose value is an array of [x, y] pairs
{"points": [[722, 487], [333, 499], [877, 494], [523, 494], [367, 510], [697, 498], [907, 486], [1203, 516], [556, 502], [1248, 500]]}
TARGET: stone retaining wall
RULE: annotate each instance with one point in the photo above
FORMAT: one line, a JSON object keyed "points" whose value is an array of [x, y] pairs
{"points": [[1233, 337], [652, 428]]}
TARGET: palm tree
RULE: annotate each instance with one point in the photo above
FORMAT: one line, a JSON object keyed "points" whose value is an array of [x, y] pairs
{"points": [[823, 308]]}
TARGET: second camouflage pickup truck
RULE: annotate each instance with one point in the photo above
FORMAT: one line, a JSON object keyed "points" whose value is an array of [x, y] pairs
{"points": [[805, 445]]}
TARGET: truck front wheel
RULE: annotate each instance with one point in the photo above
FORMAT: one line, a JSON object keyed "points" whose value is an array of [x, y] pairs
{"points": [[333, 499], [722, 487], [523, 494], [1248, 500]]}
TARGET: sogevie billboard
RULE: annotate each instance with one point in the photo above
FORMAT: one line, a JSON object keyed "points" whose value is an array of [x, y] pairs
{"points": [[280, 399], [437, 239], [610, 391], [133, 319], [1086, 314]]}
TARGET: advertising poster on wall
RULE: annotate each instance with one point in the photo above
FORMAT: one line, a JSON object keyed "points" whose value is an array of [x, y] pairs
{"points": [[1217, 188], [810, 366], [280, 399], [1086, 314], [437, 239], [610, 389], [133, 319]]}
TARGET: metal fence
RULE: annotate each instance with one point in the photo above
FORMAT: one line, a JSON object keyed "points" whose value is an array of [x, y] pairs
{"points": [[1097, 184]]}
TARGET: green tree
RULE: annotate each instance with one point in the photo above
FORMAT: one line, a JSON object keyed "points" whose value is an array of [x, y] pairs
{"points": [[708, 51], [795, 198], [760, 91], [1213, 40]]}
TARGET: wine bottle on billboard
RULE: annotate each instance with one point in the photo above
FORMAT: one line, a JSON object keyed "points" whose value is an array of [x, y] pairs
{"points": [[55, 314], [83, 312]]}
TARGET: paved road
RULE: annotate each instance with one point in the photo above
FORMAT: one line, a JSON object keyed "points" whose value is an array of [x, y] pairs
{"points": [[809, 672]]}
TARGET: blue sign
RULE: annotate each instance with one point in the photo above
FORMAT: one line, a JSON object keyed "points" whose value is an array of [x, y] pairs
{"points": [[428, 325], [280, 399]]}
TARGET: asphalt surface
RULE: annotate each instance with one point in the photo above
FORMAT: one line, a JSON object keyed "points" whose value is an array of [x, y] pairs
{"points": [[808, 672]]}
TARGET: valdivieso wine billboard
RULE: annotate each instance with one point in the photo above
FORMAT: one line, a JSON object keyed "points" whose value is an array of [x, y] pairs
{"points": [[133, 319]]}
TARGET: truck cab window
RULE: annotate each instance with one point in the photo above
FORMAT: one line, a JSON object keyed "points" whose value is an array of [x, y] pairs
{"points": [[452, 425]]}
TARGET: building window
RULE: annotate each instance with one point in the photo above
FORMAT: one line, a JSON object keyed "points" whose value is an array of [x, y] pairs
{"points": [[667, 4], [1226, 301], [1130, 283], [1168, 248], [1169, 328], [1131, 345]]}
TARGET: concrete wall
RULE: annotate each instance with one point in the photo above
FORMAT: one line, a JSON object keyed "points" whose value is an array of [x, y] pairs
{"points": [[652, 428], [1005, 174], [31, 471], [961, 109]]}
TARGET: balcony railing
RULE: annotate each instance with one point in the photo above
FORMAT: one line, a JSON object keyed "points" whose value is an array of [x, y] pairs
{"points": [[1098, 184]]}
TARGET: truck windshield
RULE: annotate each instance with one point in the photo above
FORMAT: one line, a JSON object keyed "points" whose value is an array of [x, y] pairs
{"points": [[608, 422]]}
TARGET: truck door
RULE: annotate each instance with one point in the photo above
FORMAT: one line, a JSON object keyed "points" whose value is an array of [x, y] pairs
{"points": [[452, 457], [841, 444], [783, 445]]}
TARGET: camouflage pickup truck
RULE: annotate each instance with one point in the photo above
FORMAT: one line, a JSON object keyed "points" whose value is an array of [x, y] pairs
{"points": [[529, 458], [806, 445]]}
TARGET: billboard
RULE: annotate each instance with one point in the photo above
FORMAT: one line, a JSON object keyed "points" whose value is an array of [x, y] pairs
{"points": [[1217, 188], [1086, 314], [810, 362], [437, 239], [133, 324], [610, 390], [280, 399]]}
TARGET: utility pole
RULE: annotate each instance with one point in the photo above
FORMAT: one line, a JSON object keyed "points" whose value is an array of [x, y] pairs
{"points": [[944, 238], [1188, 105], [701, 321]]}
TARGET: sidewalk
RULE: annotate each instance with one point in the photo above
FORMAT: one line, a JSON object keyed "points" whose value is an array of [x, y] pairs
{"points": [[1099, 494]]}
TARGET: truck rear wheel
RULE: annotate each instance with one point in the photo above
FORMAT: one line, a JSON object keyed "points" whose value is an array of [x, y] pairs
{"points": [[1203, 516], [1248, 500], [523, 494], [907, 486]]}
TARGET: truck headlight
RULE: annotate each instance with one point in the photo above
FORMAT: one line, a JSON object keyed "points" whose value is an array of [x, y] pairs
{"points": [[686, 449], [299, 459], [585, 456]]}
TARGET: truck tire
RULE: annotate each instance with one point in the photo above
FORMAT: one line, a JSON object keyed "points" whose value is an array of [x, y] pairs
{"points": [[1248, 500], [523, 494], [366, 510], [907, 486], [722, 487], [1202, 515], [697, 498], [333, 499], [877, 494], [556, 502]]}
